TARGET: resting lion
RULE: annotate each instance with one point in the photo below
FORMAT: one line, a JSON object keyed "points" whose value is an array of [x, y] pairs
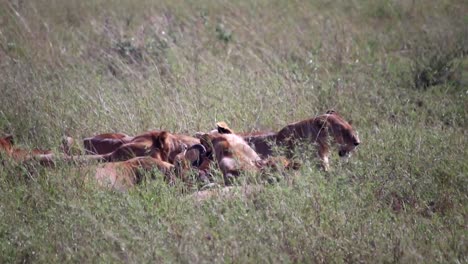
{"points": [[148, 144], [122, 175], [233, 156], [8, 149], [110, 142]]}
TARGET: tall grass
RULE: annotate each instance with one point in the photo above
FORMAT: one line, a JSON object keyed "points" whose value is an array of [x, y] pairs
{"points": [[398, 69]]}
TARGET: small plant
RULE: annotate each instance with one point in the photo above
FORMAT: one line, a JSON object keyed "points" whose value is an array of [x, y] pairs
{"points": [[223, 33]]}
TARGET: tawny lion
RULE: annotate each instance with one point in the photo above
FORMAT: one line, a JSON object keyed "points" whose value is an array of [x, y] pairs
{"points": [[320, 131]]}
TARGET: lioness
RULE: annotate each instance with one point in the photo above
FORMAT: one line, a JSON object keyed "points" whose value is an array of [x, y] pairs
{"points": [[125, 174], [110, 142], [318, 130], [8, 149], [161, 145], [233, 156], [105, 143]]}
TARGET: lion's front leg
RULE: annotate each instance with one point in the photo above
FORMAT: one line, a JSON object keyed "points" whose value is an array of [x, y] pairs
{"points": [[323, 153]]}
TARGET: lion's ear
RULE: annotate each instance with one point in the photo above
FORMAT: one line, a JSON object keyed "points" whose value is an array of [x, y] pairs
{"points": [[331, 112], [9, 139], [223, 128]]}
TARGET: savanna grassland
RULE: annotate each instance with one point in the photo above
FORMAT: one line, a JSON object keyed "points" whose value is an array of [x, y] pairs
{"points": [[398, 69]]}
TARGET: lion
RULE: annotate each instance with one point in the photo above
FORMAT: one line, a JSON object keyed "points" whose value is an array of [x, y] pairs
{"points": [[123, 175], [109, 142], [233, 156], [161, 145], [320, 130], [105, 143], [19, 155]]}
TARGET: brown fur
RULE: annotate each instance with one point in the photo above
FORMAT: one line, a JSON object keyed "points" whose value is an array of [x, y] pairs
{"points": [[231, 153], [21, 155], [126, 174], [190, 161], [105, 143], [233, 156], [110, 142], [157, 144], [261, 142], [321, 130]]}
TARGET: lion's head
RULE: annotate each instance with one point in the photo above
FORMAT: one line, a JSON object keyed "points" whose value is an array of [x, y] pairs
{"points": [[6, 143], [232, 154], [167, 146], [344, 134]]}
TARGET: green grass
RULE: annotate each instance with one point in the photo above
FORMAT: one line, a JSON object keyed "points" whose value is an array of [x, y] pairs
{"points": [[398, 69]]}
